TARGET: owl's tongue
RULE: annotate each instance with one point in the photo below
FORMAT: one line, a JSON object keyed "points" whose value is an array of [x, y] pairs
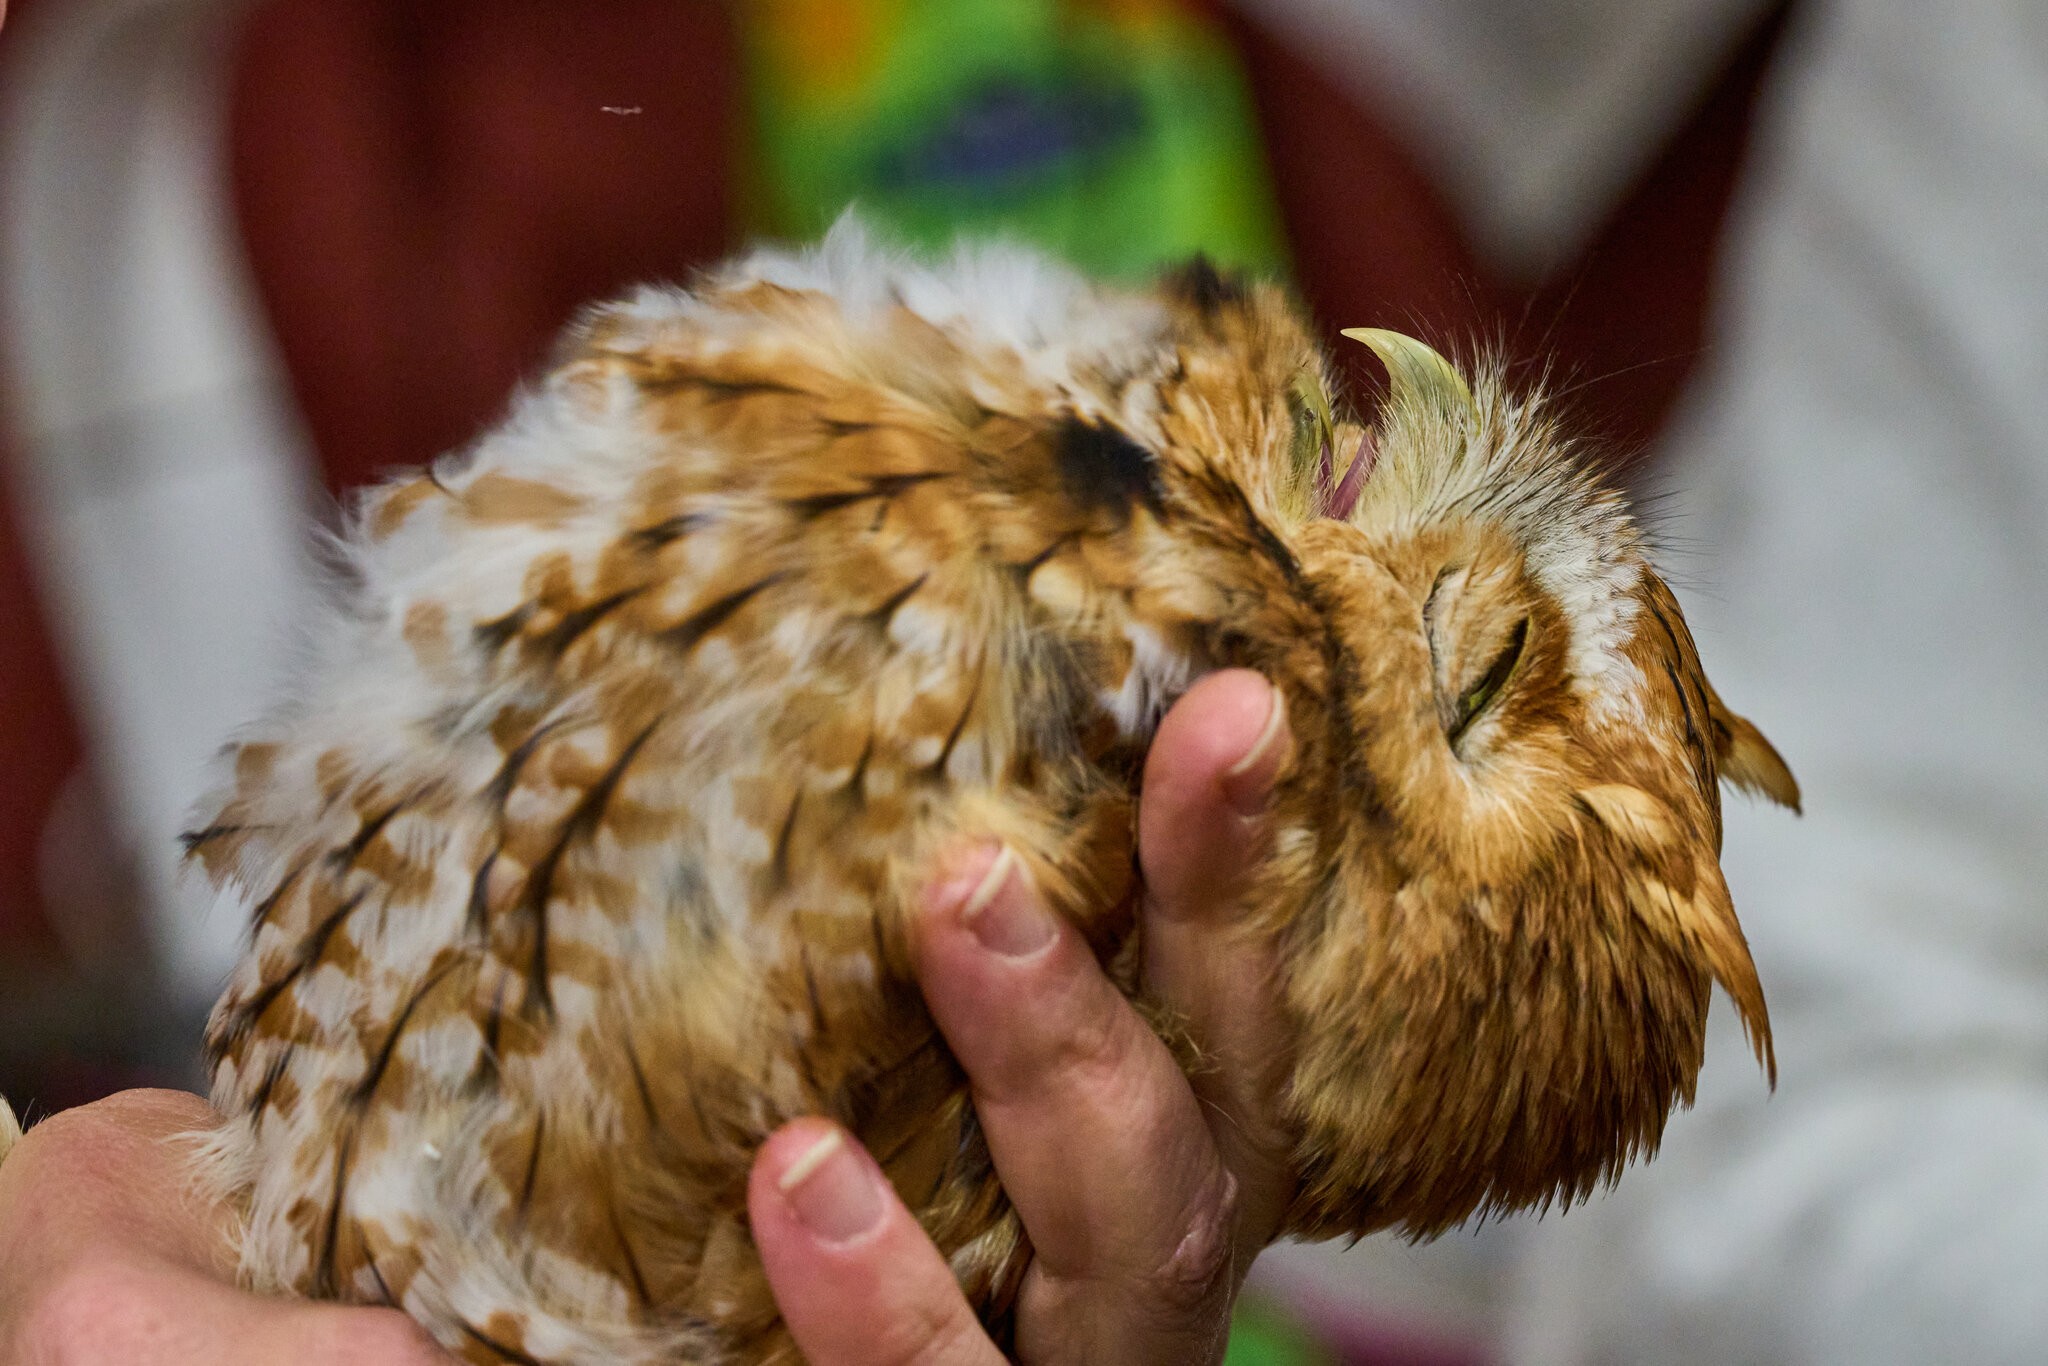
{"points": [[1338, 500]]}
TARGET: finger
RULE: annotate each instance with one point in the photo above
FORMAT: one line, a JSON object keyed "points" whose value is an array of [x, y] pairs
{"points": [[1101, 1145], [1208, 777], [147, 1313], [105, 1255], [333, 1336], [858, 1282], [111, 1173], [1201, 828]]}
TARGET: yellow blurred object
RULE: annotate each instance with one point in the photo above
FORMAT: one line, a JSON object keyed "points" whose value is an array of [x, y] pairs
{"points": [[10, 1129]]}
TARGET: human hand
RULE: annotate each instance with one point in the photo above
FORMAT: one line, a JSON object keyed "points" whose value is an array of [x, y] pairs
{"points": [[106, 1256], [1146, 1196]]}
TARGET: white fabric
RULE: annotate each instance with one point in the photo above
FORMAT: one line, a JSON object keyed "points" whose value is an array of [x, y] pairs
{"points": [[1863, 480], [1534, 116], [164, 485]]}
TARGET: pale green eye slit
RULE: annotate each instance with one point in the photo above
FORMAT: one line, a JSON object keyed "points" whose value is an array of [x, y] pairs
{"points": [[1490, 684]]}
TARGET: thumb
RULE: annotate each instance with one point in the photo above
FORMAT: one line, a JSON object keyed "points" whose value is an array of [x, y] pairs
{"points": [[857, 1280]]}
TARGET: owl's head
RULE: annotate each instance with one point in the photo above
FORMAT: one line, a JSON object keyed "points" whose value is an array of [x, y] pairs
{"points": [[1507, 807]]}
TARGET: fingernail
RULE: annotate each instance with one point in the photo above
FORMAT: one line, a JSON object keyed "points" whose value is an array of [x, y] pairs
{"points": [[831, 1191], [1248, 783], [1002, 912]]}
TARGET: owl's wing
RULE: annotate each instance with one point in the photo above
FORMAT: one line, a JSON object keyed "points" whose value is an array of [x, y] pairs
{"points": [[587, 857]]}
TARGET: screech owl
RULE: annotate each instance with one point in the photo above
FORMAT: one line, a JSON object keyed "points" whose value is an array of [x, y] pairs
{"points": [[583, 857]]}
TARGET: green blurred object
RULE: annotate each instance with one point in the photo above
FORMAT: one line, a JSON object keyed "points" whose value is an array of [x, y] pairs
{"points": [[1260, 1335], [1118, 134]]}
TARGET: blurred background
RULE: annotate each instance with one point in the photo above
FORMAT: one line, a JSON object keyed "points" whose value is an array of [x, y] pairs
{"points": [[1784, 258]]}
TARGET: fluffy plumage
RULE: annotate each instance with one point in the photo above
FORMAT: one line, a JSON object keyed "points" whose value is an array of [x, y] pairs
{"points": [[582, 858]]}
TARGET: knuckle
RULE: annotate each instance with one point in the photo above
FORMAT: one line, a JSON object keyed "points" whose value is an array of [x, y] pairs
{"points": [[124, 1114], [1200, 1274], [1094, 1048], [1079, 1038], [930, 1335], [47, 1143]]}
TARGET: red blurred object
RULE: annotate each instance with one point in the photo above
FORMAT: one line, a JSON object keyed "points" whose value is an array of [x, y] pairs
{"points": [[428, 192], [39, 736], [1376, 243], [1630, 318], [39, 742]]}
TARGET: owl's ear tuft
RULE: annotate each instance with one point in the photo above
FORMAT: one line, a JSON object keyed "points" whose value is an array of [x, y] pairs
{"points": [[1748, 760]]}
